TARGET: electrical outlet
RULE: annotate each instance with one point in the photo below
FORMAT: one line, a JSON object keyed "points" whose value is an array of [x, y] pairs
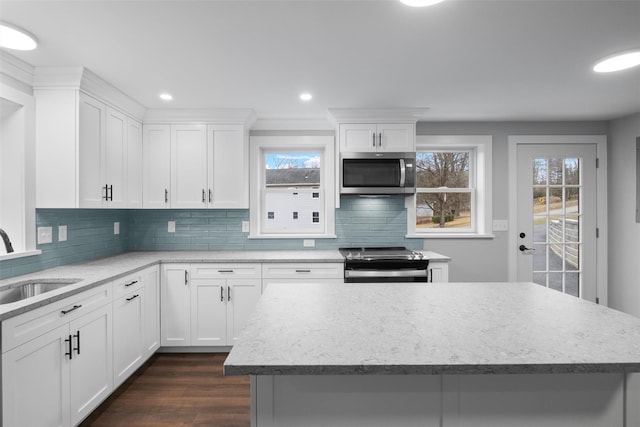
{"points": [[245, 226], [309, 243], [171, 227], [45, 235], [62, 233], [500, 225], [116, 228]]}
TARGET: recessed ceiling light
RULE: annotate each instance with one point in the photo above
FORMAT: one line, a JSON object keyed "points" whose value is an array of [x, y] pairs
{"points": [[306, 96], [420, 3], [166, 96], [618, 62], [13, 37]]}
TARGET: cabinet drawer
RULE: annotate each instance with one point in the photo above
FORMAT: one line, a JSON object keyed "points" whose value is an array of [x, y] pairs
{"points": [[231, 270], [24, 327], [333, 270], [127, 284]]}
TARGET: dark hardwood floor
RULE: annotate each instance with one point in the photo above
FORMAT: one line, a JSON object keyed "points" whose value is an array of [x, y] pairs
{"points": [[177, 390]]}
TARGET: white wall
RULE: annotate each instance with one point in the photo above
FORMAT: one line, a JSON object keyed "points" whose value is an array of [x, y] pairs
{"points": [[486, 259], [624, 232]]}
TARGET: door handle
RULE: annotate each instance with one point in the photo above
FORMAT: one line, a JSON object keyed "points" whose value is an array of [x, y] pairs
{"points": [[525, 249]]}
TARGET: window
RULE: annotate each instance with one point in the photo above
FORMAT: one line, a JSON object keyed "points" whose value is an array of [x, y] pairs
{"points": [[292, 190], [453, 187]]}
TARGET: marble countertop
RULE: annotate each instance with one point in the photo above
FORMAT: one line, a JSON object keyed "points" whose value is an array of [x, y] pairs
{"points": [[96, 272], [416, 329]]}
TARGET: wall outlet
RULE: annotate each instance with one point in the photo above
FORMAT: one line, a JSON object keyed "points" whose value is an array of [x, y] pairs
{"points": [[62, 233], [245, 226], [116, 228], [171, 228], [309, 243], [45, 235], [500, 225]]}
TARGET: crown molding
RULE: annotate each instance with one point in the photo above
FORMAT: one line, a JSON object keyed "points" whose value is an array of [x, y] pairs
{"points": [[81, 78], [243, 116], [293, 124], [376, 115], [18, 72]]}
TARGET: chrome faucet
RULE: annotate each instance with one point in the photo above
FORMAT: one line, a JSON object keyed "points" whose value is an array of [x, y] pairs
{"points": [[7, 242]]}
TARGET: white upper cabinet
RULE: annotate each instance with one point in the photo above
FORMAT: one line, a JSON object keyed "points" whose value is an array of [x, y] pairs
{"points": [[83, 142], [382, 137], [134, 164], [195, 166]]}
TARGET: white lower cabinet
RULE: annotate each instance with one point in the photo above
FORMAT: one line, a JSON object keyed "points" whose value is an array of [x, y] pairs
{"points": [[438, 271], [329, 272], [57, 361], [135, 322], [207, 304]]}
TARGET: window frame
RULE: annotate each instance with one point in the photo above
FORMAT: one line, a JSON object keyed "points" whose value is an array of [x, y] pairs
{"points": [[480, 171], [315, 143]]}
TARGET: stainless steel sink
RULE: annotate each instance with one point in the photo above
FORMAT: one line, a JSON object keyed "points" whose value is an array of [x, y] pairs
{"points": [[27, 289]]}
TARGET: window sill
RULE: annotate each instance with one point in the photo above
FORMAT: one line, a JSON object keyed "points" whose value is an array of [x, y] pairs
{"points": [[292, 236], [14, 255], [450, 236]]}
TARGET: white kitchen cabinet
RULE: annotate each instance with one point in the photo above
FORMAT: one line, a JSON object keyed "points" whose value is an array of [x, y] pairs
{"points": [[58, 359], [438, 271], [151, 311], [128, 299], [134, 164], [330, 272], [81, 151], [207, 304], [156, 166], [377, 137], [189, 166], [195, 166]]}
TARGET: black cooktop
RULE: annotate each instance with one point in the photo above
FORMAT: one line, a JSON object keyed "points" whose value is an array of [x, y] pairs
{"points": [[380, 253]]}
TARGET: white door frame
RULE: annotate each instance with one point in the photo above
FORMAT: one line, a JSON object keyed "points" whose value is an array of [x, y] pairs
{"points": [[601, 200]]}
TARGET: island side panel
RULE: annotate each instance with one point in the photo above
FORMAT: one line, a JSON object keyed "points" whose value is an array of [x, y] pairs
{"points": [[633, 399], [543, 400], [348, 401]]}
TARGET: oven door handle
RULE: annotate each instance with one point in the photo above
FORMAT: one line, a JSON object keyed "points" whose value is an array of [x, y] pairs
{"points": [[385, 273]]}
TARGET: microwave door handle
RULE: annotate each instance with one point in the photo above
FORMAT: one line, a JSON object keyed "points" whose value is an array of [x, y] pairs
{"points": [[403, 172]]}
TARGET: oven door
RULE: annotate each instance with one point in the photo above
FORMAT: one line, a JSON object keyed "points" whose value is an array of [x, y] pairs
{"points": [[377, 271]]}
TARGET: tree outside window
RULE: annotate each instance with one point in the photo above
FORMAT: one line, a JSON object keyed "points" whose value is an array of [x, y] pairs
{"points": [[444, 192]]}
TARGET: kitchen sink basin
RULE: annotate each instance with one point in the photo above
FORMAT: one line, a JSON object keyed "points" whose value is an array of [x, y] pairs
{"points": [[26, 289]]}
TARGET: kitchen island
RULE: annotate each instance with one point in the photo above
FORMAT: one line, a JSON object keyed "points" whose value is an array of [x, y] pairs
{"points": [[454, 354]]}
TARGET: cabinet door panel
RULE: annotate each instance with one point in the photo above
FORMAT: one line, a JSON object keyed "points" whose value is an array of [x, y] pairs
{"points": [[228, 180], [37, 373], [244, 295], [134, 164], [176, 301], [189, 166], [357, 137], [208, 312], [127, 335], [91, 148], [151, 312], [91, 368], [116, 159], [398, 137], [157, 166]]}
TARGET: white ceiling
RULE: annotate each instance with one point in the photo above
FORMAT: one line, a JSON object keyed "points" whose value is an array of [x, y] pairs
{"points": [[463, 59]]}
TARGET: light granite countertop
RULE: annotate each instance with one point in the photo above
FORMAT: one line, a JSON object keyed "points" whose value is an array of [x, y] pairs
{"points": [[96, 272], [439, 328]]}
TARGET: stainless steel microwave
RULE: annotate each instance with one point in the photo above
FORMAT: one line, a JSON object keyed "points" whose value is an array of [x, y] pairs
{"points": [[377, 173]]}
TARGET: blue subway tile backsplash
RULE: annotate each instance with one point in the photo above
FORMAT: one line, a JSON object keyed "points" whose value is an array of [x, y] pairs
{"points": [[90, 232]]}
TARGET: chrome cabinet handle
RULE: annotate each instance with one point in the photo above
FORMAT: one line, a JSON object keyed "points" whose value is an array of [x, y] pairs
{"points": [[221, 293], [186, 277], [133, 297], [380, 139], [373, 140], [166, 195], [75, 307], [228, 293], [225, 271], [303, 271], [210, 195], [204, 200]]}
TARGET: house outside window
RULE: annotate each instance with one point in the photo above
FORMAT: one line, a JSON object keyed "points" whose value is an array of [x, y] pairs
{"points": [[292, 188], [453, 187]]}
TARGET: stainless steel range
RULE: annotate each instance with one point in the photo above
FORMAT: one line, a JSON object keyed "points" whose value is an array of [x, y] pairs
{"points": [[389, 264]]}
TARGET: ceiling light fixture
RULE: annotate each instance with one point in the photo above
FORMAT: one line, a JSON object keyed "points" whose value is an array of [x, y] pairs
{"points": [[166, 96], [306, 96], [14, 37], [420, 3], [618, 62]]}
